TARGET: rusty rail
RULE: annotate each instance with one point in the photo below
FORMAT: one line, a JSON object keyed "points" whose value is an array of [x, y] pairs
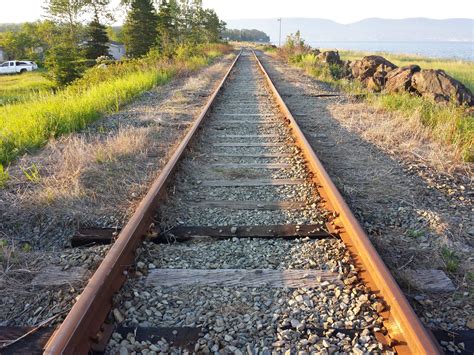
{"points": [[82, 325], [406, 333]]}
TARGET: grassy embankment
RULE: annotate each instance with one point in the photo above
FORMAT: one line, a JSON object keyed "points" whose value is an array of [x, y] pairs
{"points": [[23, 87], [449, 124], [26, 126]]}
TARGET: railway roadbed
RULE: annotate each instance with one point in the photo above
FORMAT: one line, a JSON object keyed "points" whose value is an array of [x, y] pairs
{"points": [[242, 245], [242, 294]]}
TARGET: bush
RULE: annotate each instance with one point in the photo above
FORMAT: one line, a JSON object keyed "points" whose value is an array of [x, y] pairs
{"points": [[61, 63]]}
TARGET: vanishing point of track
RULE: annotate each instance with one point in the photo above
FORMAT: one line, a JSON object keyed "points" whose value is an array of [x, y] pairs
{"points": [[245, 170]]}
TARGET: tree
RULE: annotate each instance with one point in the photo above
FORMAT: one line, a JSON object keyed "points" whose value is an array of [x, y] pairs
{"points": [[140, 28], [212, 26], [69, 13], [168, 25], [97, 40], [245, 35], [28, 41], [61, 63]]}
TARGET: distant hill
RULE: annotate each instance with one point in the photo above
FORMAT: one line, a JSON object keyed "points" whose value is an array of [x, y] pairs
{"points": [[372, 29]]}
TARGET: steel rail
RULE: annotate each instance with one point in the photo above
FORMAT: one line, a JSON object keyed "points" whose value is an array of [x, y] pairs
{"points": [[81, 326], [406, 333]]}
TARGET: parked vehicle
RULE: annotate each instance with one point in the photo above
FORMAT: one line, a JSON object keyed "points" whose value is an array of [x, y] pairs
{"points": [[15, 66]]}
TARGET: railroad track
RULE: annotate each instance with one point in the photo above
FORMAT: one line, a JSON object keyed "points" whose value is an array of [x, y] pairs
{"points": [[262, 252]]}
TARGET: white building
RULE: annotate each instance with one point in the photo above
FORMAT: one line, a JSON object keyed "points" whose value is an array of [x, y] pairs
{"points": [[116, 49]]}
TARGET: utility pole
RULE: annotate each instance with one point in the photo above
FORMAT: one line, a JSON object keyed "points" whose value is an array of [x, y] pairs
{"points": [[279, 38]]}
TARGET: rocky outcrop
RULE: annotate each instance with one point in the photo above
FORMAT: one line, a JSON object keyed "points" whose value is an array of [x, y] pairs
{"points": [[372, 71], [439, 86], [379, 74], [366, 67], [399, 80], [330, 57]]}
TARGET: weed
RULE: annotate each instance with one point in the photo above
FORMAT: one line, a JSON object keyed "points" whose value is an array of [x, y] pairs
{"points": [[470, 276], [414, 233], [26, 248], [4, 176], [32, 173], [450, 259]]}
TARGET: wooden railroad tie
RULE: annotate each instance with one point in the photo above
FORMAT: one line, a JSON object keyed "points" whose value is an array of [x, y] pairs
{"points": [[240, 278]]}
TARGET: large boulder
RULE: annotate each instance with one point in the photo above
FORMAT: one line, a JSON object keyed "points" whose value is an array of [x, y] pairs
{"points": [[399, 80], [439, 86], [330, 57], [372, 71]]}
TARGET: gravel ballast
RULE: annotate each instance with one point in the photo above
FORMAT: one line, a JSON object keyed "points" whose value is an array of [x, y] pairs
{"points": [[340, 316]]}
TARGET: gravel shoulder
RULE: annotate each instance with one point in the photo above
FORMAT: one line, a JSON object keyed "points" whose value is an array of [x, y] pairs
{"points": [[418, 213], [93, 178]]}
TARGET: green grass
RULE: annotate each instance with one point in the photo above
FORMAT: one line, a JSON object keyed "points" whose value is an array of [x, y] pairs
{"points": [[458, 69], [449, 124], [26, 126], [450, 259], [23, 87]]}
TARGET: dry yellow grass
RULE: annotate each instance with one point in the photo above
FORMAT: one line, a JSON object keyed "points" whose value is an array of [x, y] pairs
{"points": [[398, 134]]}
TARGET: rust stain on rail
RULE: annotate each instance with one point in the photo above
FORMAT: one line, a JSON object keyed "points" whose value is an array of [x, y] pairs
{"points": [[406, 333], [82, 325]]}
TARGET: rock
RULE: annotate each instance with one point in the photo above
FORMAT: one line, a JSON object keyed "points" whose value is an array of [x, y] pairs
{"points": [[377, 82], [372, 71], [346, 69], [117, 315], [399, 80], [330, 57], [439, 86], [430, 280], [123, 351], [233, 230], [295, 323]]}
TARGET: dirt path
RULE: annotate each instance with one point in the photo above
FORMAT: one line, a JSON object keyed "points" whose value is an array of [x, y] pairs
{"points": [[417, 217]]}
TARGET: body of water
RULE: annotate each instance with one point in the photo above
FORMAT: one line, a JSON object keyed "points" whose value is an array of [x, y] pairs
{"points": [[454, 50]]}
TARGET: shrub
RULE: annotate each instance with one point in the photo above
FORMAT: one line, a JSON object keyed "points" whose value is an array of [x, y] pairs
{"points": [[61, 65]]}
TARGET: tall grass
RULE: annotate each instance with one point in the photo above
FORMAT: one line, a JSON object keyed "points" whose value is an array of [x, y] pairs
{"points": [[23, 87], [449, 124], [27, 126]]}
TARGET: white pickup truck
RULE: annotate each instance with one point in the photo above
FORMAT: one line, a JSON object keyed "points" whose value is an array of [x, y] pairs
{"points": [[15, 66]]}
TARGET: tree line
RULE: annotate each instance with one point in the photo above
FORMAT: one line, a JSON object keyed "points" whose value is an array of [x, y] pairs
{"points": [[245, 35], [76, 30]]}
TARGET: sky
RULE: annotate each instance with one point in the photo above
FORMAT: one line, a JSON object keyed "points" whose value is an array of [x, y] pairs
{"points": [[343, 11]]}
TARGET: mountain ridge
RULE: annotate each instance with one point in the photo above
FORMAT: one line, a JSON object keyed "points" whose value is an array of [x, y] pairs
{"points": [[370, 29]]}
